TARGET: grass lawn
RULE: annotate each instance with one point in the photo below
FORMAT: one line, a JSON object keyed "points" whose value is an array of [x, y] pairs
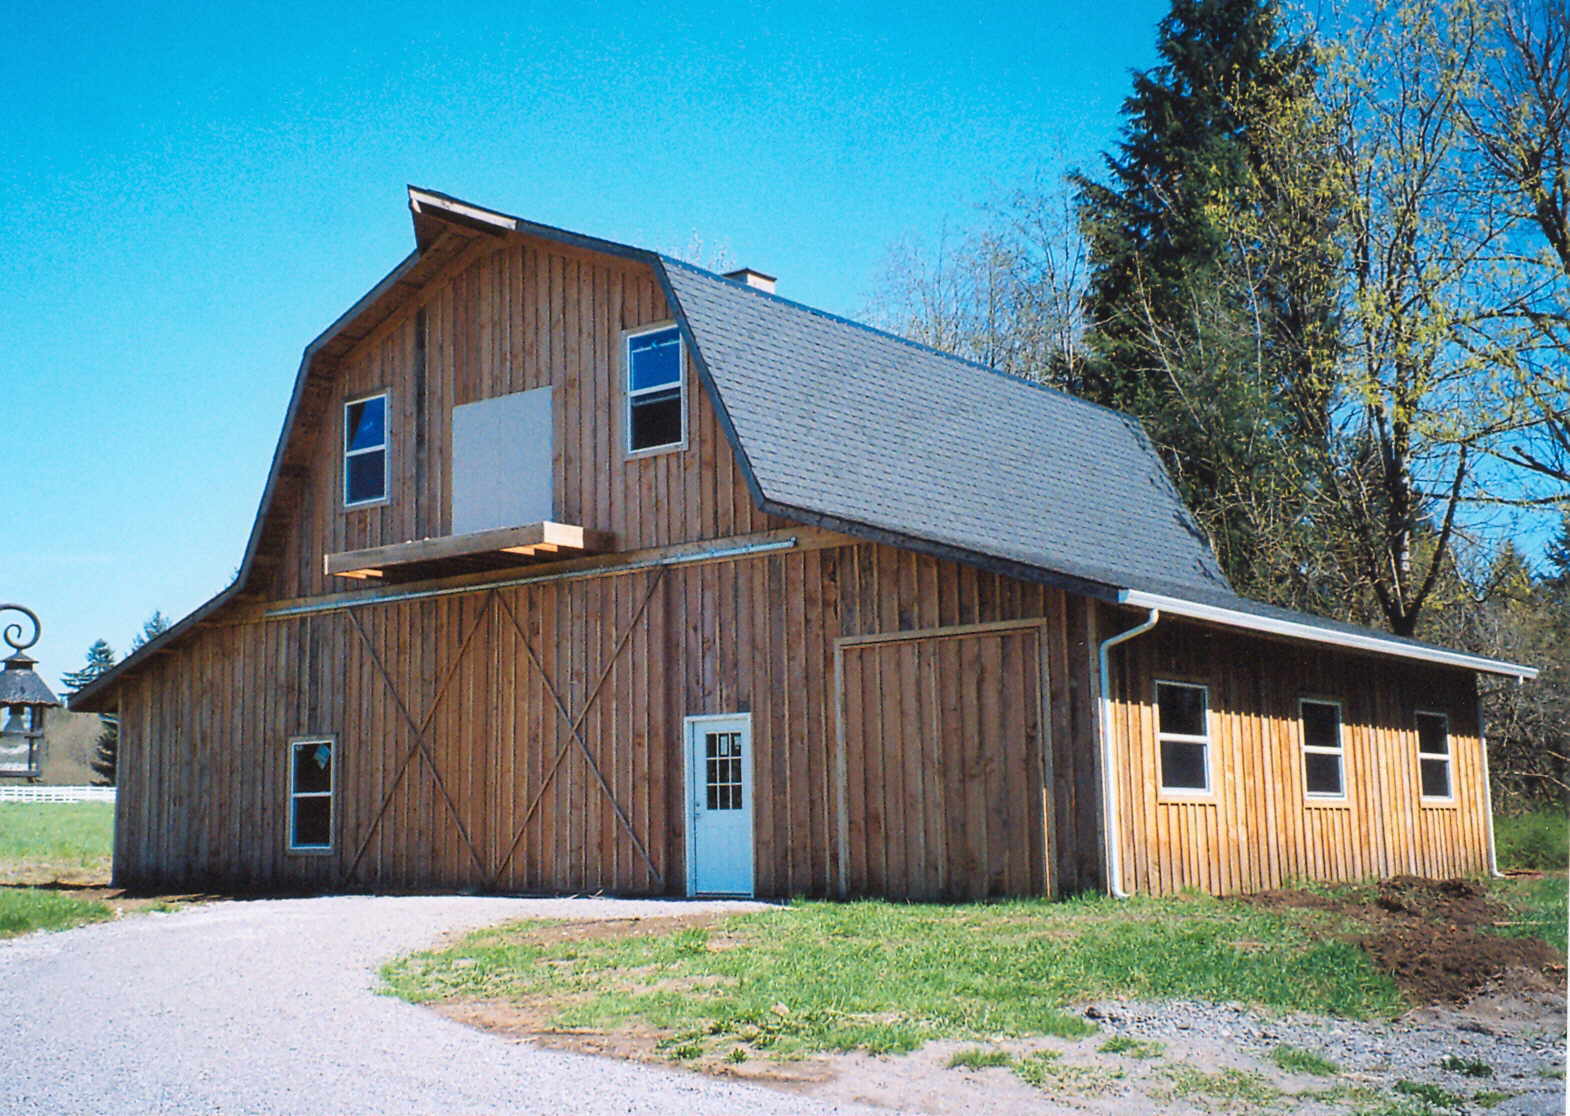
{"points": [[25, 909], [46, 843], [886, 977], [1540, 839], [1541, 906]]}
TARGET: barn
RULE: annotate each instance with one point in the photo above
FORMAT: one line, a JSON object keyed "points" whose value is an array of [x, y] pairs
{"points": [[579, 568]]}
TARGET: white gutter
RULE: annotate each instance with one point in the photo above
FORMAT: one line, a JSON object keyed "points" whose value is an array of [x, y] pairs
{"points": [[1233, 618], [1109, 798]]}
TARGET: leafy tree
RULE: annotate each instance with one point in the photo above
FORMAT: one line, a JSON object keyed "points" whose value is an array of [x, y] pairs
{"points": [[1518, 117], [100, 657], [1008, 293], [1418, 247], [1510, 613]]}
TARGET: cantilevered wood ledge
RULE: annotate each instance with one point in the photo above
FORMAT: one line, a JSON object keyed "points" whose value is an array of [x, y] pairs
{"points": [[502, 548]]}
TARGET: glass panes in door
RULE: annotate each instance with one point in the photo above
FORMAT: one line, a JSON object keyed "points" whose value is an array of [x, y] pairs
{"points": [[722, 770]]}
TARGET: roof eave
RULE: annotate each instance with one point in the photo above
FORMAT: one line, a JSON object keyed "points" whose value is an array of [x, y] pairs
{"points": [[94, 697], [1291, 629], [1022, 571]]}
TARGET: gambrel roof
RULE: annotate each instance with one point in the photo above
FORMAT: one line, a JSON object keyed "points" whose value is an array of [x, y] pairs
{"points": [[838, 424], [855, 428]]}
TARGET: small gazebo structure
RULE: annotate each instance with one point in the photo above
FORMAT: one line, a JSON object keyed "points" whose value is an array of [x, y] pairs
{"points": [[24, 700]]}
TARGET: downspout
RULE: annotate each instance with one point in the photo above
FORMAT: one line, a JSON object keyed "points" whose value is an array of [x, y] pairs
{"points": [[1488, 793], [1109, 800]]}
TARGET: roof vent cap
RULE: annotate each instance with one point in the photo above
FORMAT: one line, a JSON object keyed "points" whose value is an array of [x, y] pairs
{"points": [[750, 278]]}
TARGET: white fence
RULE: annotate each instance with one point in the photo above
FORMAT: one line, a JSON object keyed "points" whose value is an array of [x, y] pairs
{"points": [[56, 794]]}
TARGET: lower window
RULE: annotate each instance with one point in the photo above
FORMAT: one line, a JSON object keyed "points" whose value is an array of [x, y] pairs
{"points": [[1433, 754], [311, 794], [1324, 774], [1183, 736]]}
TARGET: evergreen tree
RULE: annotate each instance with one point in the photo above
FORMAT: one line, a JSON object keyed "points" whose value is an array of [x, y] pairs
{"points": [[1558, 555], [154, 626], [1198, 323], [1157, 237], [105, 752], [100, 657]]}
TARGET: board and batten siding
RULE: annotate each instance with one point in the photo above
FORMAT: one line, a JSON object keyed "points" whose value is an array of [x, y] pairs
{"points": [[943, 755], [1258, 829], [508, 316], [483, 688]]}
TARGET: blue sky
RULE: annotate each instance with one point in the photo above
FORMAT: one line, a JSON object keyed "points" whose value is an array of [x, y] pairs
{"points": [[192, 192]]}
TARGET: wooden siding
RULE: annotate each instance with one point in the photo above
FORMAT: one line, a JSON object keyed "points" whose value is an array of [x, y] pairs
{"points": [[1257, 829], [506, 316], [942, 764], [458, 766]]}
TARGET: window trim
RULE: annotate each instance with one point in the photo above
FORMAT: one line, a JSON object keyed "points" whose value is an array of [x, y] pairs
{"points": [[628, 394], [344, 452], [1339, 751], [331, 794], [1448, 757], [1209, 789]]}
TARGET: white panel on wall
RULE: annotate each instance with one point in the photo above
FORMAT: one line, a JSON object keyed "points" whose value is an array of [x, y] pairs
{"points": [[501, 462]]}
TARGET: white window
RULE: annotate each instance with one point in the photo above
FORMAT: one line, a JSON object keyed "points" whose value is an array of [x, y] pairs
{"points": [[1183, 736], [656, 403], [365, 450], [1433, 754], [1324, 769], [311, 795]]}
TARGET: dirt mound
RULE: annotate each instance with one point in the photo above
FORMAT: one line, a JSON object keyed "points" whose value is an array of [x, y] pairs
{"points": [[1431, 936]]}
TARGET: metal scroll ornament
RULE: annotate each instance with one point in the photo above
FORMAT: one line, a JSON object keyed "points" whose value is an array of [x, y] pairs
{"points": [[13, 631]]}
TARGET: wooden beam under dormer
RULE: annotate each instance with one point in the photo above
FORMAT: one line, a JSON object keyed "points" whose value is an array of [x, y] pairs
{"points": [[495, 549]]}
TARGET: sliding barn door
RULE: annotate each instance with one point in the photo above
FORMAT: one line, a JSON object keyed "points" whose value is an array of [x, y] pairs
{"points": [[942, 763]]}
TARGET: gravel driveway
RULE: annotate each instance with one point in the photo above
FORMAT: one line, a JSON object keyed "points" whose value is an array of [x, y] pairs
{"points": [[270, 1006]]}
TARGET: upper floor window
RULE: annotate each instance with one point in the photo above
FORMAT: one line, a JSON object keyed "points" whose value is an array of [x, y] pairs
{"points": [[1433, 754], [656, 408], [365, 450], [1183, 734], [1323, 757]]}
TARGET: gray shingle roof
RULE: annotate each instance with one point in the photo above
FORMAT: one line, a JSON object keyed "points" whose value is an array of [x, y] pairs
{"points": [[846, 422]]}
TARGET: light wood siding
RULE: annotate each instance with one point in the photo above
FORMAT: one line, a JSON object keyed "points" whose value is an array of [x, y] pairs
{"points": [[520, 803], [942, 764], [1257, 829], [508, 316]]}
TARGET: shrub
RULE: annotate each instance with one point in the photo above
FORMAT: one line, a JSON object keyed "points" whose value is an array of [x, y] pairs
{"points": [[1539, 840]]}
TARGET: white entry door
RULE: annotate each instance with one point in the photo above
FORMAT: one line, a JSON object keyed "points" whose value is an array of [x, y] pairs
{"points": [[719, 805]]}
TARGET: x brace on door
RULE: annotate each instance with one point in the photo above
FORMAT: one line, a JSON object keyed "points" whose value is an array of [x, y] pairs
{"points": [[575, 732], [419, 730], [574, 725]]}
